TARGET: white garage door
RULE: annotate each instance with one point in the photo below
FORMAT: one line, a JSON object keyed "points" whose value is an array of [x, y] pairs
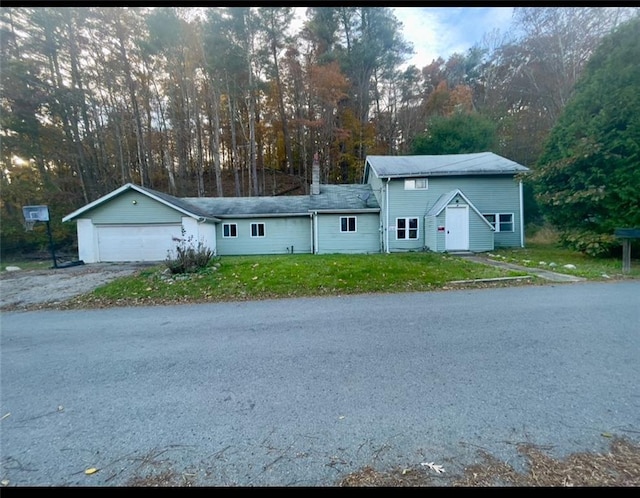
{"points": [[136, 242]]}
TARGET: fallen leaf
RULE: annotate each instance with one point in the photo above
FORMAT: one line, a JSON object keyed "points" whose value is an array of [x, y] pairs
{"points": [[90, 471], [606, 434]]}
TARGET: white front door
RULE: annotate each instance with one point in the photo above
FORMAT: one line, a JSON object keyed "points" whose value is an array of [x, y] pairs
{"points": [[457, 228]]}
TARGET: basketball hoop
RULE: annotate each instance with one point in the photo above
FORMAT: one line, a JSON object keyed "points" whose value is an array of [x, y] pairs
{"points": [[33, 214]]}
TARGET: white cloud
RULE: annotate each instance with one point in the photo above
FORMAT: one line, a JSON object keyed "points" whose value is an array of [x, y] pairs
{"points": [[441, 31]]}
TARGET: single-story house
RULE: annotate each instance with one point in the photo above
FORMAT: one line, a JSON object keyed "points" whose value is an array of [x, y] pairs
{"points": [[464, 202]]}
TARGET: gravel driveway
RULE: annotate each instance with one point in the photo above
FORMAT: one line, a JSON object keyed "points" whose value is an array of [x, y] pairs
{"points": [[23, 289]]}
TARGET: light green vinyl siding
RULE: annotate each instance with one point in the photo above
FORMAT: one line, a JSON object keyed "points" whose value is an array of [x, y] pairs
{"points": [[281, 234], [480, 234], [406, 204], [122, 210], [488, 193], [366, 238], [430, 230], [500, 194], [441, 236]]}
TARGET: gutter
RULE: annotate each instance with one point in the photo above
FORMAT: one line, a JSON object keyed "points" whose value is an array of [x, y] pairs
{"points": [[386, 208], [206, 219], [350, 211], [521, 215], [271, 215], [453, 173], [314, 217]]}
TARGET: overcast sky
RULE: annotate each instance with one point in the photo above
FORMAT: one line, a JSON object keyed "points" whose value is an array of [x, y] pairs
{"points": [[441, 31]]}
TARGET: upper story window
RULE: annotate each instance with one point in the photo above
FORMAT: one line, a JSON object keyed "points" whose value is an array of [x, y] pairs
{"points": [[347, 223], [416, 184]]}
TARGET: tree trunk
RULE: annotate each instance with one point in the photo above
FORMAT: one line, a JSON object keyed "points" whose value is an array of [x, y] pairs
{"points": [[142, 157]]}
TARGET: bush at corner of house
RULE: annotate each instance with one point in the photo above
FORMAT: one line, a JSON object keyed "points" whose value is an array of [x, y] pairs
{"points": [[189, 257]]}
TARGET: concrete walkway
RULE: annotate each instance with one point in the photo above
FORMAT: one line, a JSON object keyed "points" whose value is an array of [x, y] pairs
{"points": [[538, 272]]}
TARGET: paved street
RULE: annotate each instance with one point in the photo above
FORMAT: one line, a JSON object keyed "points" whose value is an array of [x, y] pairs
{"points": [[301, 392]]}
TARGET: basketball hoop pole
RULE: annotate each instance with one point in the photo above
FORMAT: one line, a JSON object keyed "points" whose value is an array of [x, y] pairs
{"points": [[53, 254]]}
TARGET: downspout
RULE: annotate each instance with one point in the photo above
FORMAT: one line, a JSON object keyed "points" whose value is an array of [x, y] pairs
{"points": [[386, 208], [521, 216], [314, 216]]}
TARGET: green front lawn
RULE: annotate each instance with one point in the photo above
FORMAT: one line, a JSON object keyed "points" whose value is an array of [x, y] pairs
{"points": [[297, 275], [262, 277]]}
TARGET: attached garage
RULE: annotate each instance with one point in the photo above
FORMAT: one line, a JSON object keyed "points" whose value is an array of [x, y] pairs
{"points": [[136, 242], [134, 223]]}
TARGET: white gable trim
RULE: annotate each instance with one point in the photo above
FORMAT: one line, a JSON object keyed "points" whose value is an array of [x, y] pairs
{"points": [[124, 188], [443, 203]]}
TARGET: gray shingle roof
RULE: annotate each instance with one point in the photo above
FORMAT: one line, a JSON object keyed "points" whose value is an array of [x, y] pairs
{"points": [[443, 165], [441, 203], [331, 198]]}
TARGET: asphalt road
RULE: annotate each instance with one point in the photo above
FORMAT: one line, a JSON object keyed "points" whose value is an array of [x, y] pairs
{"points": [[302, 392]]}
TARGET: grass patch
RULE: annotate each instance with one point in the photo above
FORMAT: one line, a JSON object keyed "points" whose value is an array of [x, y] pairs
{"points": [[263, 277], [545, 255]]}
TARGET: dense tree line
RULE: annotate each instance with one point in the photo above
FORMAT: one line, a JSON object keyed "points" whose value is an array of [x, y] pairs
{"points": [[235, 101], [587, 179]]}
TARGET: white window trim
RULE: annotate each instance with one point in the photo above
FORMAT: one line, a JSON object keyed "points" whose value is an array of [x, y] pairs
{"points": [[410, 184], [355, 223], [496, 224], [229, 236], [407, 229], [264, 230]]}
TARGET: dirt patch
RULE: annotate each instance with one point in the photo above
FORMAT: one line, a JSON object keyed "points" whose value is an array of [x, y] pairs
{"points": [[31, 289]]}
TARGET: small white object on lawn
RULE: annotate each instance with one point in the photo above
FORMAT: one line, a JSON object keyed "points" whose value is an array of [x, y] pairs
{"points": [[437, 468]]}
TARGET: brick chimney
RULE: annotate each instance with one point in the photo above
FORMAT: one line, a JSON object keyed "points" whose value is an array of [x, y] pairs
{"points": [[315, 175]]}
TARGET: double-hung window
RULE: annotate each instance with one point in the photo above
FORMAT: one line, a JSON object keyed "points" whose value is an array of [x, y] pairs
{"points": [[347, 223], [257, 229], [416, 184], [229, 230], [406, 228], [501, 222]]}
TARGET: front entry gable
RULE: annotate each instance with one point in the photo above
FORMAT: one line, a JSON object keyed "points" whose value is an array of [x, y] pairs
{"points": [[454, 223], [455, 197]]}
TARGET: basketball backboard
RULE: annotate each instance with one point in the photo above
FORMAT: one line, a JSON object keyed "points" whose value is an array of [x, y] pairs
{"points": [[35, 213]]}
